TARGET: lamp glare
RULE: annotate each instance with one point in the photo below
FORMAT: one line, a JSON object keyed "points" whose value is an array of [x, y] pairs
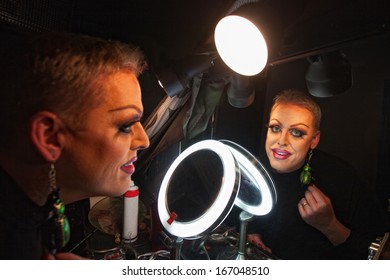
{"points": [[241, 45]]}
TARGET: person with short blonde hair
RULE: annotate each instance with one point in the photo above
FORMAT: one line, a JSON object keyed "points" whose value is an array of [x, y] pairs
{"points": [[323, 211], [70, 111]]}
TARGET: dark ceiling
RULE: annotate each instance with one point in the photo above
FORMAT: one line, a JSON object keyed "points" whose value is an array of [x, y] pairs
{"points": [[172, 29]]}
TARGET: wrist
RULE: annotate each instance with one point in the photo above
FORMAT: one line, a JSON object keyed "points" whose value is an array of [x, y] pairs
{"points": [[336, 233]]}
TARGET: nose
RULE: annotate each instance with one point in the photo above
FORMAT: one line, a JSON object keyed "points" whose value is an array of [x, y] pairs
{"points": [[283, 138], [140, 139]]}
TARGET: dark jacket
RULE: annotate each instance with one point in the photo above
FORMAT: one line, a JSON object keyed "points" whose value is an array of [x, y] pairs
{"points": [[21, 222], [289, 237]]}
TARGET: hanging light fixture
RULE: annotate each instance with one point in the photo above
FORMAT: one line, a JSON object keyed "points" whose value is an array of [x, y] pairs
{"points": [[328, 74], [240, 91], [176, 79], [243, 38], [241, 45]]}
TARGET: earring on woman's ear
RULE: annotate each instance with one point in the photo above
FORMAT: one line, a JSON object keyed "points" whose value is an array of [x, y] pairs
{"points": [[305, 176], [61, 236]]}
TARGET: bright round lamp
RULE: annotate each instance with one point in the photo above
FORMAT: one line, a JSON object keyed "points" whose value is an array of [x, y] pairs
{"points": [[241, 45]]}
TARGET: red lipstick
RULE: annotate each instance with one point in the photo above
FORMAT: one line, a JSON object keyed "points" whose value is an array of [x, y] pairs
{"points": [[129, 167], [280, 154]]}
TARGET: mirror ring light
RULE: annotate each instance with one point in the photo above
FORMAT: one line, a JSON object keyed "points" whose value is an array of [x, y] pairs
{"points": [[258, 175], [222, 204]]}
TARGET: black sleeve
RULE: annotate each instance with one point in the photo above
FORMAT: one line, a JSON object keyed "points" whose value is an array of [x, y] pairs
{"points": [[366, 220]]}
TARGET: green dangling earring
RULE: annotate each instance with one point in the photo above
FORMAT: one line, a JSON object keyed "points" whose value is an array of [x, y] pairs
{"points": [[62, 232], [62, 223], [305, 176]]}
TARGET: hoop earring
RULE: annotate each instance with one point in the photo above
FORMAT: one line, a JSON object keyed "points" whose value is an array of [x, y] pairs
{"points": [[61, 232], [305, 176]]}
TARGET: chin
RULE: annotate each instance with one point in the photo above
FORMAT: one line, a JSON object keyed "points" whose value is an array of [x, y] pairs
{"points": [[121, 189], [117, 192], [280, 168]]}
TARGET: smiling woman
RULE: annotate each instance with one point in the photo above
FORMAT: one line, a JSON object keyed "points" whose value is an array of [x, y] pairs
{"points": [[70, 110], [323, 210], [294, 128]]}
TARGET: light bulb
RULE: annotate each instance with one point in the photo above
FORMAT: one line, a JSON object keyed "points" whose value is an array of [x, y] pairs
{"points": [[241, 45]]}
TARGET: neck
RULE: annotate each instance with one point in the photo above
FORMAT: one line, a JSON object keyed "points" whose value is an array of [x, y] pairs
{"points": [[32, 179]]}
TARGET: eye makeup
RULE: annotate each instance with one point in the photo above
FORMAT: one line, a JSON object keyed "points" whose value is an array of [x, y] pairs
{"points": [[295, 132]]}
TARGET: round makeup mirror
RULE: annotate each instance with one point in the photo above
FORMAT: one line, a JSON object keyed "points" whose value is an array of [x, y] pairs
{"points": [[205, 181], [257, 194]]}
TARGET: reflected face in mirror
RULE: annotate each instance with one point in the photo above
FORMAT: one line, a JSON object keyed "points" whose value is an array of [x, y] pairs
{"points": [[194, 185], [290, 135]]}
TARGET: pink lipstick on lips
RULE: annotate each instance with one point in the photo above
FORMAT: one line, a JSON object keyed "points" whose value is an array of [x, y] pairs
{"points": [[128, 167], [280, 154]]}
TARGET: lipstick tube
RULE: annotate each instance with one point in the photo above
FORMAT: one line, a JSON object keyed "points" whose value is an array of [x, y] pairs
{"points": [[130, 213]]}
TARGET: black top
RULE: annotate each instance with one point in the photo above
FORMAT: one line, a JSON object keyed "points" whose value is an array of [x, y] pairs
{"points": [[21, 222], [287, 234]]}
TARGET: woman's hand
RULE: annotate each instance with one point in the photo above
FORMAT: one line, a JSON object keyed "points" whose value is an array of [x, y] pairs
{"points": [[316, 209], [255, 239]]}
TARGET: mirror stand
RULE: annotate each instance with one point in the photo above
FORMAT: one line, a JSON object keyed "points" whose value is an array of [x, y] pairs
{"points": [[176, 248], [245, 218], [174, 244]]}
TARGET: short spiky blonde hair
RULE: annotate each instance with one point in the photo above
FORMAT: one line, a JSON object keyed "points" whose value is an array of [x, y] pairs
{"points": [[299, 98], [59, 72]]}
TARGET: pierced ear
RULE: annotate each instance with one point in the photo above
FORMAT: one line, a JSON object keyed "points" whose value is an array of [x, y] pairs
{"points": [[44, 131], [316, 140]]}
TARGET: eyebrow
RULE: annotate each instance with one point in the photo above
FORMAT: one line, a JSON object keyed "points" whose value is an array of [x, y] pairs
{"points": [[126, 107], [294, 125]]}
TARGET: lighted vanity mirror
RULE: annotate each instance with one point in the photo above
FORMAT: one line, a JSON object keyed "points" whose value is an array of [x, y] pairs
{"points": [[205, 181], [194, 185], [257, 194]]}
